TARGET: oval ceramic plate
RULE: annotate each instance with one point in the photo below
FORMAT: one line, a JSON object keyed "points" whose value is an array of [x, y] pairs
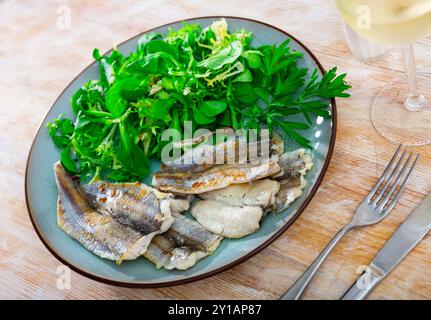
{"points": [[41, 190]]}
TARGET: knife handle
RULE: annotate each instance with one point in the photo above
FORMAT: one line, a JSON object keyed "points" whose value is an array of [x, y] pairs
{"points": [[365, 284]]}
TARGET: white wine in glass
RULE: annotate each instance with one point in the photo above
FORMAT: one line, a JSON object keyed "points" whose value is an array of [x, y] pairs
{"points": [[399, 112]]}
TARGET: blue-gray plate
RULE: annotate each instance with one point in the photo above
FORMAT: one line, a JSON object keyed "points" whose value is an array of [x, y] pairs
{"points": [[41, 190]]}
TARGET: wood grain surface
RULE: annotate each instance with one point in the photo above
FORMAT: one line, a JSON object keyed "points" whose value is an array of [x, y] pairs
{"points": [[39, 55]]}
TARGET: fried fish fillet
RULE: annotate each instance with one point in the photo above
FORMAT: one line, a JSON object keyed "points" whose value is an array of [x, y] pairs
{"points": [[204, 156], [100, 234], [291, 188], [184, 244], [235, 150], [294, 165], [214, 178], [236, 211], [257, 193], [135, 204]]}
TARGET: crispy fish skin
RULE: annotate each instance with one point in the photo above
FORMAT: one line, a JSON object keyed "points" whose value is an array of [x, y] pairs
{"points": [[185, 243], [134, 204], [100, 234], [214, 178]]}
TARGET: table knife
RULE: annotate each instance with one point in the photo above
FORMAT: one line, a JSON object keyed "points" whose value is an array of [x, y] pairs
{"points": [[407, 236]]}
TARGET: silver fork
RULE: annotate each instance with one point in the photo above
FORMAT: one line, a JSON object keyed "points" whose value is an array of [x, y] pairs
{"points": [[375, 207]]}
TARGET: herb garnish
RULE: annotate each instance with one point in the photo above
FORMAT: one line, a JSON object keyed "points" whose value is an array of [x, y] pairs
{"points": [[208, 76]]}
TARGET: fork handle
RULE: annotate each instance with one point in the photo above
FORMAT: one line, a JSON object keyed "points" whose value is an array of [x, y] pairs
{"points": [[295, 292]]}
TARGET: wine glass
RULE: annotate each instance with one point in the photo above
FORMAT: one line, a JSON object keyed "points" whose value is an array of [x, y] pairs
{"points": [[399, 112]]}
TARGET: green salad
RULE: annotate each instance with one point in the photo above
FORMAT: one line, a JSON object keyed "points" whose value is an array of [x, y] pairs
{"points": [[208, 76]]}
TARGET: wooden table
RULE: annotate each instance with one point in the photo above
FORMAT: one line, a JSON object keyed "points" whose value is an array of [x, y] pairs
{"points": [[39, 55]]}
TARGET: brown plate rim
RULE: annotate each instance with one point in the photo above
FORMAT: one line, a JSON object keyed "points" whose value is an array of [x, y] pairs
{"points": [[313, 191]]}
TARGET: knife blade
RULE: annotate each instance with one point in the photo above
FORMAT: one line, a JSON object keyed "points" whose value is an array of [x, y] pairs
{"points": [[407, 236]]}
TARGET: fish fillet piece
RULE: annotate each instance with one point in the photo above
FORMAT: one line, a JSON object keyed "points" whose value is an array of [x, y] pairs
{"points": [[235, 150], [236, 210], [291, 188], [135, 204], [214, 178], [226, 220], [165, 253], [257, 193], [183, 245], [294, 165], [277, 144], [99, 233], [204, 156]]}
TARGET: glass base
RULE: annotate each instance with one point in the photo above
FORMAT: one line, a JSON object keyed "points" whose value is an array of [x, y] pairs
{"points": [[395, 122]]}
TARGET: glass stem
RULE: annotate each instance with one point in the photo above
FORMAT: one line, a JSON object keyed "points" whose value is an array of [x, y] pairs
{"points": [[414, 100]]}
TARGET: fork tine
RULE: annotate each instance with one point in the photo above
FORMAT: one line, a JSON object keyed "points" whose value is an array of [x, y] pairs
{"points": [[406, 179], [383, 176], [396, 183], [391, 177]]}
